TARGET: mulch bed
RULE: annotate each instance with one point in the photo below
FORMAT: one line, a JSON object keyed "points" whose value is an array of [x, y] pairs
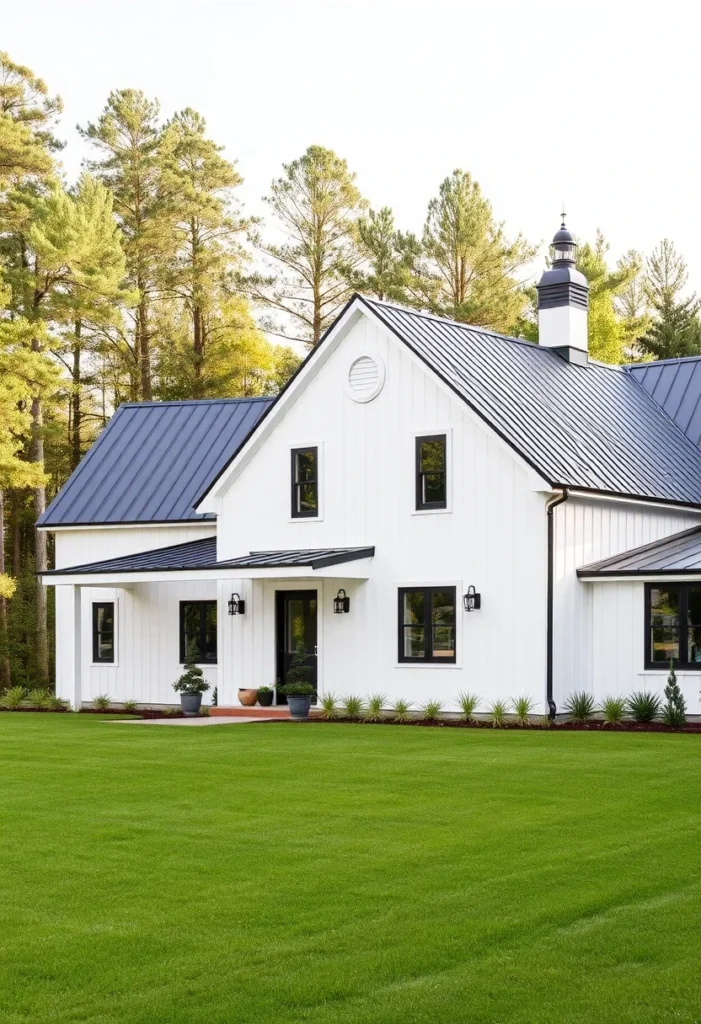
{"points": [[139, 713], [457, 723]]}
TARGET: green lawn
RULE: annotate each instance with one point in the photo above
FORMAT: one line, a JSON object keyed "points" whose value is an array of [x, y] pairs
{"points": [[336, 873]]}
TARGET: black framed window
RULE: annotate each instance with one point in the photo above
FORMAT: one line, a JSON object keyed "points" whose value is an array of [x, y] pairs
{"points": [[431, 474], [198, 631], [103, 632], [673, 625], [427, 624], [305, 482]]}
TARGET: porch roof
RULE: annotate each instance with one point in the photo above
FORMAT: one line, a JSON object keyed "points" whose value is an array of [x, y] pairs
{"points": [[678, 555], [200, 556]]}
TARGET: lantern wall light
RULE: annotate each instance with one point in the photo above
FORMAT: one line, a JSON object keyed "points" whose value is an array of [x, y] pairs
{"points": [[471, 601], [341, 602], [236, 605]]}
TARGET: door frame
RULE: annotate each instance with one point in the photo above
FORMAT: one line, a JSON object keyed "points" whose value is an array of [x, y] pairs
{"points": [[292, 587]]}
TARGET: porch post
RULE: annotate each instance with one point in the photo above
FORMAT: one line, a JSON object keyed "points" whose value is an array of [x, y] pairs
{"points": [[69, 644]]}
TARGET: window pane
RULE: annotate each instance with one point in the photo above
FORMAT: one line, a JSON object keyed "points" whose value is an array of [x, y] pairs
{"points": [[306, 500], [414, 646], [413, 606], [432, 456], [105, 618], [693, 615], [665, 644], [191, 630], [433, 487], [694, 645], [305, 466], [443, 642], [664, 606], [210, 631], [443, 610]]}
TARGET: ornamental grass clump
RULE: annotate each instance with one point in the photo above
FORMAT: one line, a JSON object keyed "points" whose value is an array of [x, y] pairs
{"points": [[431, 710], [374, 706], [129, 705], [497, 714], [101, 702], [352, 706], [401, 710], [580, 707], [522, 708], [12, 698], [468, 704], [39, 698], [329, 707], [674, 710], [644, 706], [614, 710]]}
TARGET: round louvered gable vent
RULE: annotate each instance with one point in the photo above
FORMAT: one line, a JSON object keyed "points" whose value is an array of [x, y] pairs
{"points": [[365, 378]]}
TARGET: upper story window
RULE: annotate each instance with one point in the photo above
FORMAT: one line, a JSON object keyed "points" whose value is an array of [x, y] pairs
{"points": [[673, 625], [427, 625], [198, 631], [305, 483], [431, 472], [103, 632]]}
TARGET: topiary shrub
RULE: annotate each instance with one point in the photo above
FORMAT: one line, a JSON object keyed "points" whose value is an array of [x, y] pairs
{"points": [[674, 710]]}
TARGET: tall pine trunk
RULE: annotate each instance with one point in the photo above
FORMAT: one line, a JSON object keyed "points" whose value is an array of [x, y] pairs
{"points": [[76, 408], [198, 344], [40, 549], [144, 352], [5, 678]]}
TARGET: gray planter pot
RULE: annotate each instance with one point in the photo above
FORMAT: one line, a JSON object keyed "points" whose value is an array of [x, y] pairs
{"points": [[190, 703], [299, 706]]}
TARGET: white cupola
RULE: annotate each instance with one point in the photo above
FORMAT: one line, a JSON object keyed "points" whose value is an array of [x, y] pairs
{"points": [[563, 301]]}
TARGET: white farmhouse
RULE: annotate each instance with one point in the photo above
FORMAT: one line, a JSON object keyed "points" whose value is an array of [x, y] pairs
{"points": [[428, 507]]}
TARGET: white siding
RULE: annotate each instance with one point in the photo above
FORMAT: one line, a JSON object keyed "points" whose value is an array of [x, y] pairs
{"points": [[493, 536], [147, 647], [586, 530]]}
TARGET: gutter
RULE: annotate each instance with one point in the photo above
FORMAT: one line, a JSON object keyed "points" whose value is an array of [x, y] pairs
{"points": [[549, 509]]}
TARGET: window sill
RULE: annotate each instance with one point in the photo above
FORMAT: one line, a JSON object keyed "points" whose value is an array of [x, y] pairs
{"points": [[431, 511], [305, 519], [104, 664], [665, 671], [428, 664]]}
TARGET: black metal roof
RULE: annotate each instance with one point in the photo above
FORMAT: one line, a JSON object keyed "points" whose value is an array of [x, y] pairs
{"points": [[589, 427], [676, 555], [675, 385], [202, 554], [152, 460]]}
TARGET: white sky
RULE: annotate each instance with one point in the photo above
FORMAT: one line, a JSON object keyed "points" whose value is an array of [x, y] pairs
{"points": [[591, 102]]}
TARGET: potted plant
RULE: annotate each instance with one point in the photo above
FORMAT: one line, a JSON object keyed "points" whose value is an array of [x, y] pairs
{"points": [[191, 685], [247, 696], [298, 687], [265, 696]]}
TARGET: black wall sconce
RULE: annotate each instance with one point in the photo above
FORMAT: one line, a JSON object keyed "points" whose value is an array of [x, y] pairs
{"points": [[472, 601], [236, 605], [341, 603]]}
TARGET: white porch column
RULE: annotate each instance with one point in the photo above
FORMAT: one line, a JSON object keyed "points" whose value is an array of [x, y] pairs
{"points": [[68, 644]]}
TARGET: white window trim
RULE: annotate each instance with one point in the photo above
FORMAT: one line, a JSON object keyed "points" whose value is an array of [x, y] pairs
{"points": [[428, 432], [419, 585], [319, 445], [117, 645]]}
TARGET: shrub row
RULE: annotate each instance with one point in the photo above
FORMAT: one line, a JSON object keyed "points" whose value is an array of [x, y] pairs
{"points": [[376, 708]]}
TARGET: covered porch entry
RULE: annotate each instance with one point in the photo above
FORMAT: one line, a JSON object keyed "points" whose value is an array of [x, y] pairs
{"points": [[270, 610]]}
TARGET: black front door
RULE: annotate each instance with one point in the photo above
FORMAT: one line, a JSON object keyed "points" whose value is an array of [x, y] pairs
{"points": [[296, 634]]}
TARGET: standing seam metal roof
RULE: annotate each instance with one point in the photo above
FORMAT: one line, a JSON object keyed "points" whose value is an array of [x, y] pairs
{"points": [[678, 554], [675, 385], [152, 460]]}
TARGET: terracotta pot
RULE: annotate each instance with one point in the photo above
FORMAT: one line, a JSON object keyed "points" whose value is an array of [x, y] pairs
{"points": [[248, 697]]}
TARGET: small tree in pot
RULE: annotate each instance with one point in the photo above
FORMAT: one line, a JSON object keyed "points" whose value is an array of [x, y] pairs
{"points": [[191, 684], [298, 688]]}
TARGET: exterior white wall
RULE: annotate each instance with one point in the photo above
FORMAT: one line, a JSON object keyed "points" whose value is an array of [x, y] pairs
{"points": [[563, 325], [147, 618], [584, 656], [492, 536]]}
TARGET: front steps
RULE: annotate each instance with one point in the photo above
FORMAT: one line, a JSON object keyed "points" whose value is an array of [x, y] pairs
{"points": [[254, 712]]}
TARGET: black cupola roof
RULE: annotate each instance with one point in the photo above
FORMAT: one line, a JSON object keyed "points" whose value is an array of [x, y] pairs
{"points": [[563, 284]]}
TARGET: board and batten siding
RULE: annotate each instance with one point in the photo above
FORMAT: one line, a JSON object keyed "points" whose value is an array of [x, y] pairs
{"points": [[598, 627], [147, 616], [493, 535]]}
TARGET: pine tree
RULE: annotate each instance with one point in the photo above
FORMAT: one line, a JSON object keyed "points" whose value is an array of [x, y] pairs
{"points": [[470, 268], [128, 136], [608, 332], [315, 204], [674, 710], [676, 329], [384, 260]]}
